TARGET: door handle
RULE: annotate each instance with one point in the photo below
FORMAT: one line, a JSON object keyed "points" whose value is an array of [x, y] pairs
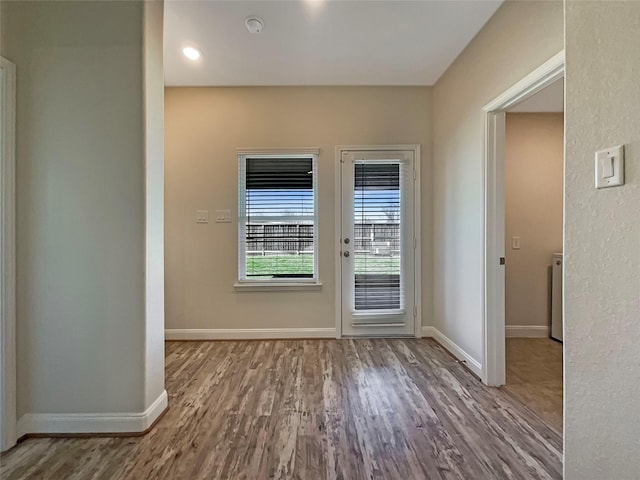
{"points": [[346, 253]]}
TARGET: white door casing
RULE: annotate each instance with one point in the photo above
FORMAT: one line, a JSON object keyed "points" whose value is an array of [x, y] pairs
{"points": [[493, 322], [378, 255]]}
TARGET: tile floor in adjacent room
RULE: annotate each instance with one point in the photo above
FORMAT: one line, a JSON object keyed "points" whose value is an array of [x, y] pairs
{"points": [[534, 376]]}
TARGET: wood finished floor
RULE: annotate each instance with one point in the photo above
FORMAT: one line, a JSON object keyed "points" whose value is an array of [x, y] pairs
{"points": [[534, 376], [313, 409]]}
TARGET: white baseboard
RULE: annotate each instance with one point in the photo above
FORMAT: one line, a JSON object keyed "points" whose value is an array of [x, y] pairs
{"points": [[526, 331], [454, 349], [428, 332], [247, 333], [70, 423]]}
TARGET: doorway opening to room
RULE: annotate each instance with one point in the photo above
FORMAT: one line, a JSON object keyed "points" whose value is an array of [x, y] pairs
{"points": [[523, 230], [377, 282], [533, 194]]}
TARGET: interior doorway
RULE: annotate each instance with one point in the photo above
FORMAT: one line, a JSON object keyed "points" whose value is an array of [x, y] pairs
{"points": [[378, 247], [494, 348], [534, 179]]}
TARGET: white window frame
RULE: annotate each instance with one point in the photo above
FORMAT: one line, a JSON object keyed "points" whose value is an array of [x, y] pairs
{"points": [[285, 283]]}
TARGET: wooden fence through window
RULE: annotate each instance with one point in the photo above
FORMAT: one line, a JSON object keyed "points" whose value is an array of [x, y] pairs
{"points": [[293, 238]]}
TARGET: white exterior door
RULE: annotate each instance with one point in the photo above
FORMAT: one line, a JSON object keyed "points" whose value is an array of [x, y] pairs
{"points": [[377, 243]]}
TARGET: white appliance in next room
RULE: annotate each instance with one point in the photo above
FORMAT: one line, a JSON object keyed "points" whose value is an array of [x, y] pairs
{"points": [[556, 297]]}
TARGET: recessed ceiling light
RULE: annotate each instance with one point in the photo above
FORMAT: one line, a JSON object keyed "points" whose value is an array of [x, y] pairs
{"points": [[191, 53], [254, 24]]}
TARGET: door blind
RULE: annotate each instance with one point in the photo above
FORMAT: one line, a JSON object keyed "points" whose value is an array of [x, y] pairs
{"points": [[277, 215], [378, 238]]}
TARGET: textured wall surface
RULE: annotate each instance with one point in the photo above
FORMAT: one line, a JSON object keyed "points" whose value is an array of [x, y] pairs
{"points": [[205, 126], [519, 37], [80, 204], [534, 161], [602, 244]]}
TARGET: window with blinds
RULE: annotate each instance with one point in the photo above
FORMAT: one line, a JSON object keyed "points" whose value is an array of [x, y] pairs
{"points": [[277, 218], [377, 236]]}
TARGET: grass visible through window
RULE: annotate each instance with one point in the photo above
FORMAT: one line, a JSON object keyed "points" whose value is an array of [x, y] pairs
{"points": [[266, 266]]}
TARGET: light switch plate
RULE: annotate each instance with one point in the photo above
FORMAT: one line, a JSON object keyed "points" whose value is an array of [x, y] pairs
{"points": [[515, 243], [610, 167], [223, 216], [202, 216]]}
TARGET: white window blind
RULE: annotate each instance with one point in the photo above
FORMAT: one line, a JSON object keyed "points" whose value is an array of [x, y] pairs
{"points": [[378, 234], [277, 218]]}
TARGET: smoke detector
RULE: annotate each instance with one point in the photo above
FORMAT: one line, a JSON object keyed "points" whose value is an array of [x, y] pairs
{"points": [[254, 24]]}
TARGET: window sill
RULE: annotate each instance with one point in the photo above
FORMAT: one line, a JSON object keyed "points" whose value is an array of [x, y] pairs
{"points": [[275, 286]]}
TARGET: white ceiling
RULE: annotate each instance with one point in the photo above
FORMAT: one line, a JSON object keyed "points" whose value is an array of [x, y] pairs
{"points": [[319, 42], [550, 99]]}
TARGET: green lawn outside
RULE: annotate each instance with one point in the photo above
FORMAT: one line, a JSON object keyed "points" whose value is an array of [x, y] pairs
{"points": [[291, 264], [367, 263], [303, 264]]}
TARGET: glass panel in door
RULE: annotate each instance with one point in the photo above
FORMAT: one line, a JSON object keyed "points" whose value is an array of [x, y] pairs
{"points": [[377, 242]]}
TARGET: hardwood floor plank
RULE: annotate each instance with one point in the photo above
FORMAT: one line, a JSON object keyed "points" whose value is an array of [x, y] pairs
{"points": [[313, 409]]}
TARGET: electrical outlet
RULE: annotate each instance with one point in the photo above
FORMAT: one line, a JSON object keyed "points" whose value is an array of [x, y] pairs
{"points": [[202, 216]]}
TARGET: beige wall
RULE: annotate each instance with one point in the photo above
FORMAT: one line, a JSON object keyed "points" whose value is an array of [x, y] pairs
{"points": [[534, 158], [204, 126], [154, 200], [602, 244], [80, 154], [518, 38]]}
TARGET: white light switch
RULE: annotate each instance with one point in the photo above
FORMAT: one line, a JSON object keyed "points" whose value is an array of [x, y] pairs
{"points": [[610, 167], [223, 216], [607, 166], [202, 216], [515, 243]]}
